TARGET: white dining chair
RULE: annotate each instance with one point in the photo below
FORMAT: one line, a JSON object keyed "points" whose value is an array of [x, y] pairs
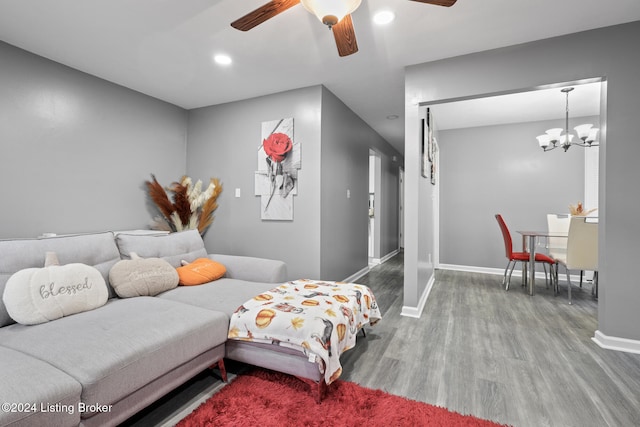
{"points": [[557, 223], [582, 250], [557, 246]]}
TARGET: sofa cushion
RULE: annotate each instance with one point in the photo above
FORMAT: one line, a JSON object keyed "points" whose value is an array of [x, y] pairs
{"points": [[98, 250], [174, 247], [26, 380], [224, 295], [38, 295], [122, 346], [252, 269], [142, 277], [202, 270]]}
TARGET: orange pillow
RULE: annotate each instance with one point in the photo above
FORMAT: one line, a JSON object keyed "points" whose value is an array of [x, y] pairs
{"points": [[202, 270]]}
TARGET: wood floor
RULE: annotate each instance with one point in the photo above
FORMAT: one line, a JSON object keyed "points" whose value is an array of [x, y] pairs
{"points": [[503, 356]]}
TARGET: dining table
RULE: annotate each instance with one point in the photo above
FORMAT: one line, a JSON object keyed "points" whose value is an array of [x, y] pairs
{"points": [[529, 242]]}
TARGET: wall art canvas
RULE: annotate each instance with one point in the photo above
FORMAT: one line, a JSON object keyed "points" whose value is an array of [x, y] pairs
{"points": [[276, 179], [429, 135], [434, 162], [424, 160]]}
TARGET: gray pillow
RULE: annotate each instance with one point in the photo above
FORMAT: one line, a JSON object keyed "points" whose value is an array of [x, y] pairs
{"points": [[137, 277]]}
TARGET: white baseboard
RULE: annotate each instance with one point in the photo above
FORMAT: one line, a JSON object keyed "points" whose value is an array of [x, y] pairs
{"points": [[498, 271], [416, 312], [617, 344], [377, 261], [388, 256], [474, 269], [357, 275], [373, 262]]}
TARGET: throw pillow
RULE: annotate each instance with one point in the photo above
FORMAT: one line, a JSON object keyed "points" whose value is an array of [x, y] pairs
{"points": [[142, 276], [202, 270], [37, 295]]}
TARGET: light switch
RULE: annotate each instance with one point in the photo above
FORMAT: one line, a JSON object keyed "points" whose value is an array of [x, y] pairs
{"points": [[348, 194], [237, 192]]}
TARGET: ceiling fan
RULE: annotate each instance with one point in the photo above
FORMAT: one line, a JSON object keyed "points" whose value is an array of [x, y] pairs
{"points": [[336, 14]]}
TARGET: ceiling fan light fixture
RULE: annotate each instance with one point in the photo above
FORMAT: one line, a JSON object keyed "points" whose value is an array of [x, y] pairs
{"points": [[330, 12]]}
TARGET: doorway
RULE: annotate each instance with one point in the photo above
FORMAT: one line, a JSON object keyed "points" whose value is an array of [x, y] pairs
{"points": [[480, 175], [375, 173], [401, 209]]}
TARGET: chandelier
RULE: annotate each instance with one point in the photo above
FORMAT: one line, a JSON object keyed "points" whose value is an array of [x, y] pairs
{"points": [[586, 133]]}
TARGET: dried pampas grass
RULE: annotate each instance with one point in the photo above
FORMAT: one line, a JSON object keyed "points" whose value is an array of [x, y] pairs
{"points": [[159, 196], [210, 205], [578, 210], [191, 208], [181, 202]]}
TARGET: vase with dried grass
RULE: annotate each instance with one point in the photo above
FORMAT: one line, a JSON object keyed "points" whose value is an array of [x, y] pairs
{"points": [[189, 208], [578, 210]]}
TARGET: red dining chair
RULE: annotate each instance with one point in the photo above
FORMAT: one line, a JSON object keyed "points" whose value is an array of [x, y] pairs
{"points": [[523, 257]]}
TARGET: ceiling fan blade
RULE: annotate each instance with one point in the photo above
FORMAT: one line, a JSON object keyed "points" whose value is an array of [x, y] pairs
{"points": [[263, 13], [446, 3], [345, 36]]}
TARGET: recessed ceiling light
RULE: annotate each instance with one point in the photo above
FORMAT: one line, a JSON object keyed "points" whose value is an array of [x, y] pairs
{"points": [[392, 117], [222, 59], [383, 17]]}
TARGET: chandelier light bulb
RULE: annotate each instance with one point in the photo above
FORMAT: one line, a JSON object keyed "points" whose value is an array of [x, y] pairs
{"points": [[543, 140], [583, 131], [563, 139], [564, 142], [554, 134]]}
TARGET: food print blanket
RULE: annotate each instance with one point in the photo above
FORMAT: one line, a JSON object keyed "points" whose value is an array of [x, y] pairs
{"points": [[321, 319]]}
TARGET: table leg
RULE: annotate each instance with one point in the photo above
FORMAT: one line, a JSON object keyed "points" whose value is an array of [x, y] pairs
{"points": [[532, 264], [525, 271]]}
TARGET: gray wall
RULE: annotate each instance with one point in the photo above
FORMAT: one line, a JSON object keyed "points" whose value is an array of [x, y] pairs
{"points": [[501, 169], [389, 204], [224, 142], [328, 237], [346, 141], [611, 53], [419, 221], [76, 150]]}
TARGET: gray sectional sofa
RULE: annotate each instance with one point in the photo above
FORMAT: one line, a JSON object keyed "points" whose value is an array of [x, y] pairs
{"points": [[101, 366]]}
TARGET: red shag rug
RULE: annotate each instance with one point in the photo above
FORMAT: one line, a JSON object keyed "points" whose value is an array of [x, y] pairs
{"points": [[265, 398]]}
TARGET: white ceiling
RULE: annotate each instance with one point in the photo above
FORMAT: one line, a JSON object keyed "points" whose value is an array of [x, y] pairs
{"points": [[163, 48], [530, 106]]}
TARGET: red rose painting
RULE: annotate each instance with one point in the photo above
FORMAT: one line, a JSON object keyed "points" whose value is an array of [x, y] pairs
{"points": [[277, 145], [277, 174]]}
